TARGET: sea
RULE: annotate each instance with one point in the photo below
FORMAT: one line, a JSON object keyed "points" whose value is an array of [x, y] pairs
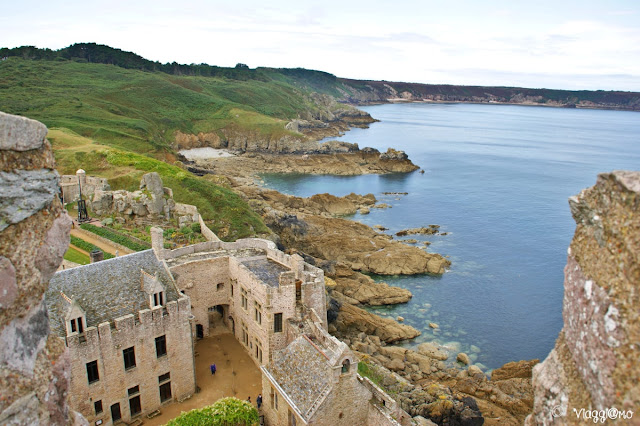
{"points": [[496, 179]]}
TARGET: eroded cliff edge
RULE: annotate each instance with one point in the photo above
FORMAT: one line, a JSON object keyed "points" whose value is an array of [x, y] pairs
{"points": [[594, 364]]}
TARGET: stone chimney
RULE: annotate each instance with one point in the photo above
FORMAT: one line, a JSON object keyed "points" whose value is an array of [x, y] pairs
{"points": [[96, 256], [157, 242]]}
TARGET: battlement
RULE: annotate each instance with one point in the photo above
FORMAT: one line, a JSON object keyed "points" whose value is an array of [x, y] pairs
{"points": [[129, 325]]}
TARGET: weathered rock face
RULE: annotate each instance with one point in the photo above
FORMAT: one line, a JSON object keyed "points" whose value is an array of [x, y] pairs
{"points": [[352, 318], [594, 364], [34, 235], [363, 289]]}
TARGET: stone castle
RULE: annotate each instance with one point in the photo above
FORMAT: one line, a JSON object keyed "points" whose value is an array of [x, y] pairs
{"points": [[130, 324]]}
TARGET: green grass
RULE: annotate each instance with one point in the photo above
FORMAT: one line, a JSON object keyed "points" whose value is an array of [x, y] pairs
{"points": [[365, 370], [75, 256], [88, 247], [141, 111], [115, 237]]}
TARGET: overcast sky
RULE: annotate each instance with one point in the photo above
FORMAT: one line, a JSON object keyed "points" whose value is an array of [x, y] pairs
{"points": [[586, 44]]}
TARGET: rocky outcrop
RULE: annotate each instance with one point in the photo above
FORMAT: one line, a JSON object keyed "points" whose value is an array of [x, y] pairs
{"points": [[34, 235], [430, 230], [364, 290], [354, 244], [594, 364], [318, 204], [352, 319], [343, 161]]}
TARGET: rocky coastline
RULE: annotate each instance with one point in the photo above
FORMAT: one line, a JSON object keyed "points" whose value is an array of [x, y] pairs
{"points": [[428, 380]]}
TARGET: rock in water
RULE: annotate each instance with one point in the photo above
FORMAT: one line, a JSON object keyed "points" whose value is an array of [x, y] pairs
{"points": [[463, 358]]}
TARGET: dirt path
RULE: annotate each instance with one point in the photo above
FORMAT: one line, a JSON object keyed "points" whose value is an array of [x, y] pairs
{"points": [[237, 375], [98, 243]]}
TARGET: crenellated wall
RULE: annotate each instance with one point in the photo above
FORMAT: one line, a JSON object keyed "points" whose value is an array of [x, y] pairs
{"points": [[594, 365], [105, 344]]}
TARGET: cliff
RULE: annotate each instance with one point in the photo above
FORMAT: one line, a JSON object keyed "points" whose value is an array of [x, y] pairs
{"points": [[594, 364], [361, 92], [34, 235]]}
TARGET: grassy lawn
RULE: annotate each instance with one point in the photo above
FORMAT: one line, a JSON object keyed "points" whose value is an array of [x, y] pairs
{"points": [[74, 255]]}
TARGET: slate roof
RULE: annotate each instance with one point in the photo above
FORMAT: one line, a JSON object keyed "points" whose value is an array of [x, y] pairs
{"points": [[106, 290], [266, 270], [302, 372]]}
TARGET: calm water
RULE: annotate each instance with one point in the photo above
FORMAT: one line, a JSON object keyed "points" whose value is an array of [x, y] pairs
{"points": [[497, 179]]}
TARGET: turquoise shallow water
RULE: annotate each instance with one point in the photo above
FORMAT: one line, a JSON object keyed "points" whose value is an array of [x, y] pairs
{"points": [[497, 179]]}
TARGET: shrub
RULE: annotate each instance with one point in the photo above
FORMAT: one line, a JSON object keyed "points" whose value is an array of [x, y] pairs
{"points": [[224, 412]]}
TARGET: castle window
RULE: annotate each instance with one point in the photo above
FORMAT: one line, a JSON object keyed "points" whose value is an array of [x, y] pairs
{"points": [[158, 298], [161, 346], [98, 406], [77, 325], [92, 372], [129, 356], [274, 399], [245, 334], [115, 412], [345, 366], [259, 351], [220, 286], [257, 312], [277, 323], [243, 297], [231, 290], [165, 387], [134, 390], [134, 405]]}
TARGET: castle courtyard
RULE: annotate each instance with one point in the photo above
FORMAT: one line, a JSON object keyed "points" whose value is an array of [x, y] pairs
{"points": [[237, 375]]}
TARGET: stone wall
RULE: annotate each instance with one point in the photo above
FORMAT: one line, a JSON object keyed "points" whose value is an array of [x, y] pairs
{"points": [[594, 364], [207, 283], [105, 344], [34, 235]]}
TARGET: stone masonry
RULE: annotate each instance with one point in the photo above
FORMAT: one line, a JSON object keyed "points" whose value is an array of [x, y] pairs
{"points": [[34, 234], [594, 365]]}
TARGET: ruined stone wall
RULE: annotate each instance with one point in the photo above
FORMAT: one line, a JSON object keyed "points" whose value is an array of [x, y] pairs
{"points": [[594, 364], [34, 235], [105, 344], [207, 283], [90, 184]]}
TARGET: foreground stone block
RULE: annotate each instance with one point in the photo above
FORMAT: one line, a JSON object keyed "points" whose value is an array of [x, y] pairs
{"points": [[34, 234]]}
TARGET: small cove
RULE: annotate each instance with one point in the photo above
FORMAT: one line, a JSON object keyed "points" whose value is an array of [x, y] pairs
{"points": [[497, 179]]}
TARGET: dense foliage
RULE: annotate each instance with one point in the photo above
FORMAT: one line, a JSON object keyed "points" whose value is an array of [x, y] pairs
{"points": [[224, 412]]}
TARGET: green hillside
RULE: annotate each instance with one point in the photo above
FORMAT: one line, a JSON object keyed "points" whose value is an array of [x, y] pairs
{"points": [[140, 111]]}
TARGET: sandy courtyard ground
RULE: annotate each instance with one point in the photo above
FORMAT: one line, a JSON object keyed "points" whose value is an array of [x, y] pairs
{"points": [[237, 376]]}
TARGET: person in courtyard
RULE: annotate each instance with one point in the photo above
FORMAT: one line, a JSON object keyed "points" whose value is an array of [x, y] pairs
{"points": [[249, 399], [259, 400], [213, 369]]}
